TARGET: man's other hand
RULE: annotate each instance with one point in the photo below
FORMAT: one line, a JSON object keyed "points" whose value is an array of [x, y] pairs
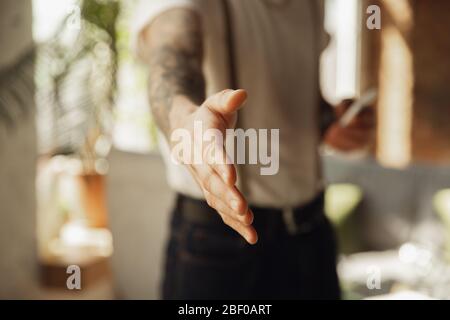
{"points": [[357, 135]]}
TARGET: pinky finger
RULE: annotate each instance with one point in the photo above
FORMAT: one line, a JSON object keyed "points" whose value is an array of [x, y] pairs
{"points": [[247, 232]]}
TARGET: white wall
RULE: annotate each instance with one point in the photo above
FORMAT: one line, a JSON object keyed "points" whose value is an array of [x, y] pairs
{"points": [[139, 203], [18, 259]]}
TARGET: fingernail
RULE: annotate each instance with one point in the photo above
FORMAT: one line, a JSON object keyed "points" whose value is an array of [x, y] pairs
{"points": [[229, 93], [252, 242], [225, 177], [243, 91]]}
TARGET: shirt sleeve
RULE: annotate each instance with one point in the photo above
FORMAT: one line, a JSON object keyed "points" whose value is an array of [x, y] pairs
{"points": [[148, 10]]}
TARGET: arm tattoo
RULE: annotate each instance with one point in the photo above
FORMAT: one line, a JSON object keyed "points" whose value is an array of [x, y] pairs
{"points": [[175, 63]]}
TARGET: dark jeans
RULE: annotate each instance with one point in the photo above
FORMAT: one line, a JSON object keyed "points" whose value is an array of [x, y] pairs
{"points": [[208, 260]]}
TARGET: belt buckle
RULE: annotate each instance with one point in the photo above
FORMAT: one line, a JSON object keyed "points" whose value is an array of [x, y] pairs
{"points": [[292, 226], [289, 220]]}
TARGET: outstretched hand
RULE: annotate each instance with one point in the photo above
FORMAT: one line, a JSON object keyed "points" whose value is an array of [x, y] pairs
{"points": [[217, 179]]}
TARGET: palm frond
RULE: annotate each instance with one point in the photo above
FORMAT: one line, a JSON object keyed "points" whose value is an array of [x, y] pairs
{"points": [[77, 82]]}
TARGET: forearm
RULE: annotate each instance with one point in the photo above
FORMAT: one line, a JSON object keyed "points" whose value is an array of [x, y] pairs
{"points": [[174, 51]]}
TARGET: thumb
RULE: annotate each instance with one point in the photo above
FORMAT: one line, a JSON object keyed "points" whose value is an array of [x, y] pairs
{"points": [[227, 102]]}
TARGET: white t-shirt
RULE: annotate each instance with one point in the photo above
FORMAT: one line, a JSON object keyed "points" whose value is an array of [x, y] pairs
{"points": [[277, 49]]}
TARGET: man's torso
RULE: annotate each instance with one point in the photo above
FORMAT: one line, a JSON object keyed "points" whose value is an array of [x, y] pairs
{"points": [[276, 49]]}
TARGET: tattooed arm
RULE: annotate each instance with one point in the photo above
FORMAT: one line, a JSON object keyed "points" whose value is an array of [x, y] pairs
{"points": [[174, 51], [173, 48]]}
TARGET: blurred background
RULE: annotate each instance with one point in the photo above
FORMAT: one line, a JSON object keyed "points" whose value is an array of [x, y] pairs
{"points": [[82, 182]]}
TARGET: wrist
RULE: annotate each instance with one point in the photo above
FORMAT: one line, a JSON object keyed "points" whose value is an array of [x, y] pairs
{"points": [[182, 107]]}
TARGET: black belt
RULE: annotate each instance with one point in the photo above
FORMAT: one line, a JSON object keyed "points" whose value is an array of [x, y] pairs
{"points": [[297, 220]]}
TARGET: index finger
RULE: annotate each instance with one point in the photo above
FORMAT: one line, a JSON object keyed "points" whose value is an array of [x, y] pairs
{"points": [[215, 155]]}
